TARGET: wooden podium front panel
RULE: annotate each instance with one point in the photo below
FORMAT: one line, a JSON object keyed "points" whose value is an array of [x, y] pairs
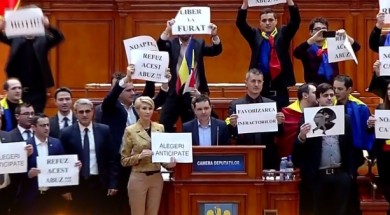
{"points": [[282, 196], [190, 196]]}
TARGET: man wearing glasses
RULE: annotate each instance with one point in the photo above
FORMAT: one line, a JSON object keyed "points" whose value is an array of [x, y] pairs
{"points": [[270, 47], [314, 53], [24, 114]]}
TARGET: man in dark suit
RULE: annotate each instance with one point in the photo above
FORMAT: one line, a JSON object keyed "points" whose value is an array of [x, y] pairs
{"points": [[185, 46], [64, 116], [31, 198], [270, 50], [254, 84], [8, 188], [326, 163], [376, 38], [13, 97], [24, 113], [206, 130], [93, 144], [28, 61]]}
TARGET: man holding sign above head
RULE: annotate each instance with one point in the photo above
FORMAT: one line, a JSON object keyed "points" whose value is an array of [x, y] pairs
{"points": [[206, 130], [31, 198], [186, 63], [314, 52], [270, 47], [145, 183], [260, 122], [383, 17], [326, 163], [28, 61]]}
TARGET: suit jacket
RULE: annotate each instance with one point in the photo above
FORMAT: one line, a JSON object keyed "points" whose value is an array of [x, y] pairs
{"points": [[307, 155], [29, 186], [219, 131], [200, 49], [42, 45], [270, 157], [5, 137], [114, 114], [105, 153], [376, 39], [15, 135], [282, 44], [55, 127]]}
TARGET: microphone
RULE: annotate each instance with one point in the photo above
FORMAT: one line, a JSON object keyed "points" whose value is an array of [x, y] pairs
{"points": [[217, 135]]}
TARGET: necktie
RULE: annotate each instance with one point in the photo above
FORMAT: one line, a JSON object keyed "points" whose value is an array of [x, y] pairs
{"points": [[66, 120], [2, 179], [85, 168], [28, 133], [274, 64]]}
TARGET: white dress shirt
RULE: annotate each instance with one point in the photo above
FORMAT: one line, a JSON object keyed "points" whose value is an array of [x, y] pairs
{"points": [[24, 135], [42, 150], [93, 166], [61, 121]]}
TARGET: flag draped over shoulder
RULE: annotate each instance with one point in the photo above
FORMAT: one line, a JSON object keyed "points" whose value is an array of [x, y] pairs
{"points": [[293, 115], [187, 67], [8, 4], [359, 113]]}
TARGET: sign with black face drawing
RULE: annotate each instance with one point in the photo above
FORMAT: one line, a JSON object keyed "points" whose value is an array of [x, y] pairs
{"points": [[325, 121]]}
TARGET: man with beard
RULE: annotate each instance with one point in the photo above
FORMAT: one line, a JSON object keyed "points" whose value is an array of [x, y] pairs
{"points": [[182, 51], [64, 116]]}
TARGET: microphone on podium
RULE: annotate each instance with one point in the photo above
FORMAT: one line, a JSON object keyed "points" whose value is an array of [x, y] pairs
{"points": [[217, 135]]}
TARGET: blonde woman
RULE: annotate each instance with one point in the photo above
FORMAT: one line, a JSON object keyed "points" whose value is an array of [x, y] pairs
{"points": [[145, 183]]}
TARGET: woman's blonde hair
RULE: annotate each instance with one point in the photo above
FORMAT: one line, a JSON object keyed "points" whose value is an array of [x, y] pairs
{"points": [[143, 100]]}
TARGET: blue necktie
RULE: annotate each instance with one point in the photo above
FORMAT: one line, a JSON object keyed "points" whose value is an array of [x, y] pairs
{"points": [[66, 120], [86, 159]]}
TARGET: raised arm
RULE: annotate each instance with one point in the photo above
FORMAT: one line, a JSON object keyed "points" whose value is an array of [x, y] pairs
{"points": [[295, 20], [246, 31], [375, 35]]}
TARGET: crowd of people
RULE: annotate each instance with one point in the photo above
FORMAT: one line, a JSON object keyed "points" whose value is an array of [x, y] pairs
{"points": [[113, 140]]}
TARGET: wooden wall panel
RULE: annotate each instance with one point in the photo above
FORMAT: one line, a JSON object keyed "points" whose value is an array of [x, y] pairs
{"points": [[94, 30]]}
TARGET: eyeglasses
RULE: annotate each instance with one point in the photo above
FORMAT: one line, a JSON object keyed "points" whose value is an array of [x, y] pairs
{"points": [[84, 111], [27, 114]]}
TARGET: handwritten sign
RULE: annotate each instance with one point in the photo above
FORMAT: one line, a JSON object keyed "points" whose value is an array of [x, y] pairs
{"points": [[13, 157], [168, 145], [252, 3], [384, 58], [24, 22], [150, 65], [384, 7], [57, 170], [325, 121], [257, 117], [340, 49], [382, 124], [192, 20], [140, 42]]}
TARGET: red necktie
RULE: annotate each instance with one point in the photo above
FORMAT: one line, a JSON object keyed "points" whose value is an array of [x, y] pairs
{"points": [[274, 64]]}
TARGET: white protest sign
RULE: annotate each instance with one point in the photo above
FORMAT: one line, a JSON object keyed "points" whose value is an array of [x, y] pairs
{"points": [[252, 3], [384, 58], [257, 117], [325, 121], [150, 65], [382, 124], [57, 170], [340, 49], [13, 157], [140, 42], [24, 22], [192, 20], [168, 145], [384, 6]]}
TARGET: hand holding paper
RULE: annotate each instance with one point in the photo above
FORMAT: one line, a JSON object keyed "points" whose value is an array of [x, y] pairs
{"points": [[171, 164], [45, 21], [29, 149], [145, 153], [33, 172], [213, 29], [376, 67], [371, 121], [380, 20], [280, 117]]}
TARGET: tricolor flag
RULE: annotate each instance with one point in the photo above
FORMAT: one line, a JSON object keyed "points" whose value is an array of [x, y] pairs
{"points": [[8, 5], [191, 81]]}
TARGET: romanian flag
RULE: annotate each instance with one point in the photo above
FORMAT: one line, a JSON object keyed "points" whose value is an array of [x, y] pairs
{"points": [[7, 5], [187, 67]]}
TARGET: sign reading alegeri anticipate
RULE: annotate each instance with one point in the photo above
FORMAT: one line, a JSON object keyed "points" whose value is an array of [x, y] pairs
{"points": [[171, 145], [57, 170], [13, 157], [257, 117]]}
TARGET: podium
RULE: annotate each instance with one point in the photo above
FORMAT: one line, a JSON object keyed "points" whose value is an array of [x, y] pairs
{"points": [[228, 180]]}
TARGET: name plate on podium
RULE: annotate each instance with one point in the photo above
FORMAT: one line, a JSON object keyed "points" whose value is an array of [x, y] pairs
{"points": [[218, 163]]}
